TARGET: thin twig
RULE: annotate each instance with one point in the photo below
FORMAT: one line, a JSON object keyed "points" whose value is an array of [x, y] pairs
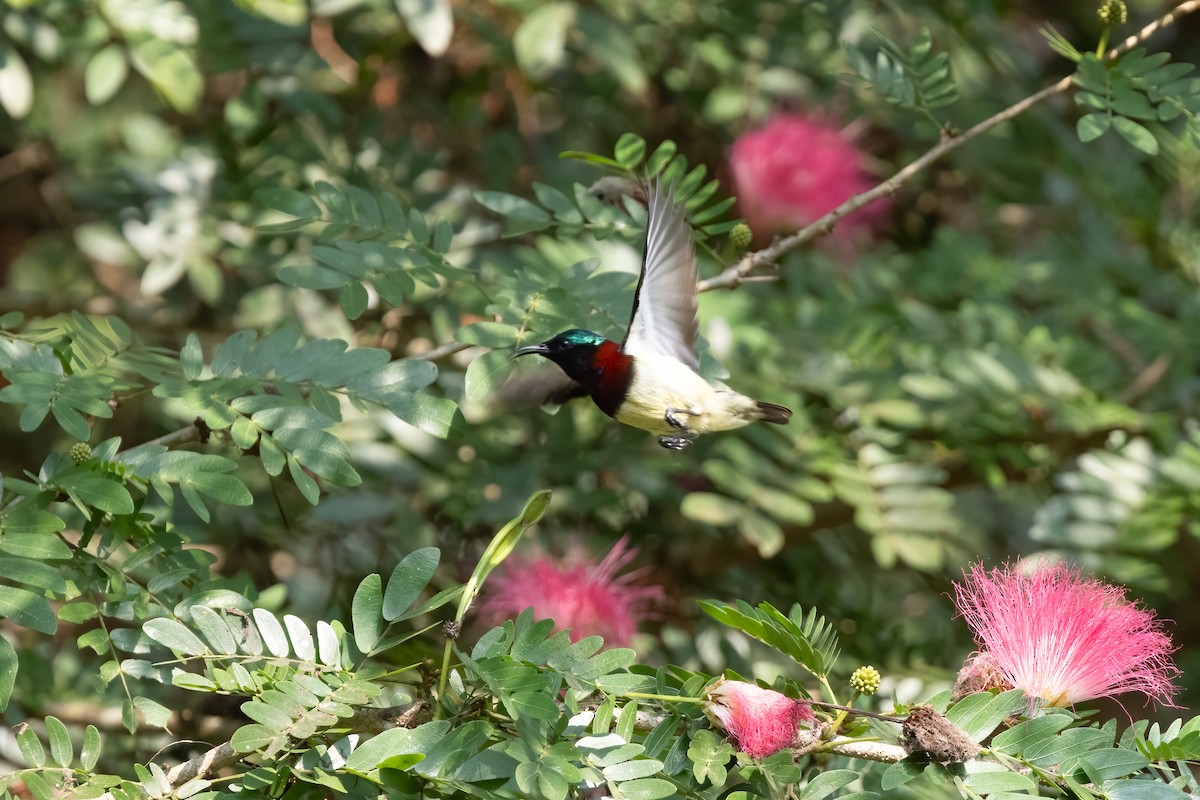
{"points": [[1121, 346], [191, 433], [1146, 380], [25, 158], [856, 711], [203, 765], [871, 751], [736, 273], [1147, 375], [366, 720], [376, 720], [1145, 33], [441, 351], [852, 748]]}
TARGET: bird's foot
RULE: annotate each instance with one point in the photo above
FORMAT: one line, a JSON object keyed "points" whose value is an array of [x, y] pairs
{"points": [[676, 422], [680, 442]]}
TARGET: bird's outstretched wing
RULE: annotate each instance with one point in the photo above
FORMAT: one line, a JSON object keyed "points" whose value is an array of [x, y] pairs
{"points": [[536, 384], [664, 306]]}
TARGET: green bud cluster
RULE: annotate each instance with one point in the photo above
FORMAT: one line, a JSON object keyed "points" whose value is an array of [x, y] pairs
{"points": [[1113, 12], [740, 236], [865, 680], [80, 452]]}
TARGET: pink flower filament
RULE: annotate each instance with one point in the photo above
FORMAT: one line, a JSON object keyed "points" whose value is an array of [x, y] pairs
{"points": [[760, 721], [579, 594], [1064, 638], [796, 169]]}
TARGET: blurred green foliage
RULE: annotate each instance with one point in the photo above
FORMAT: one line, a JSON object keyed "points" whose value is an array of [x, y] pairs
{"points": [[270, 257]]}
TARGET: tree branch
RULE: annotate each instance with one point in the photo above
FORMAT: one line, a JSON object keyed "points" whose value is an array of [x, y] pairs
{"points": [[736, 273], [872, 751], [203, 765], [441, 351], [366, 720], [377, 720], [34, 155], [190, 433]]}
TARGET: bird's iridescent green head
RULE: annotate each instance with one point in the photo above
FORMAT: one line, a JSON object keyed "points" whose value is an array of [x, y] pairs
{"points": [[573, 350], [566, 342], [576, 338]]}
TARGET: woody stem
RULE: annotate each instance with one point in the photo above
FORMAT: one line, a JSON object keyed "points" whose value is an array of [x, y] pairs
{"points": [[736, 273]]}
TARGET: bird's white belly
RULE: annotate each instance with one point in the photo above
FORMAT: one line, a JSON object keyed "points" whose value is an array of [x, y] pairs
{"points": [[661, 382]]}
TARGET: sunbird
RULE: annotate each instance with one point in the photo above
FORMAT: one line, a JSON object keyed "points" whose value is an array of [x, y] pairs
{"points": [[650, 379]]}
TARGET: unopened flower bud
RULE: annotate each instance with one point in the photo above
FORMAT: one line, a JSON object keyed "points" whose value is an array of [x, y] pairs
{"points": [[1113, 12], [865, 680], [760, 721], [80, 452], [740, 236]]}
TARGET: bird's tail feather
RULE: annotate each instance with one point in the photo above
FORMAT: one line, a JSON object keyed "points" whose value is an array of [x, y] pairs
{"points": [[773, 413]]}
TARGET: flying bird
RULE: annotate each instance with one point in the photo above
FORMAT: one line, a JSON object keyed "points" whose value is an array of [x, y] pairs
{"points": [[650, 380]]}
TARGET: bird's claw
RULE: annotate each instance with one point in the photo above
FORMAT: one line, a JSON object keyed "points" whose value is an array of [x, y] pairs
{"points": [[685, 436], [677, 442], [674, 421]]}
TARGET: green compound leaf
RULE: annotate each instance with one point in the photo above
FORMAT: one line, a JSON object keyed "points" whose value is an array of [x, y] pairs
{"points": [[826, 783], [61, 750], [978, 714], [8, 671], [1093, 126], [175, 636], [31, 748], [16, 83], [366, 613], [89, 752], [98, 491], [105, 74], [1137, 135], [27, 609], [630, 151], [512, 207], [1033, 733], [901, 773], [809, 639], [408, 580], [288, 201], [709, 754], [381, 749]]}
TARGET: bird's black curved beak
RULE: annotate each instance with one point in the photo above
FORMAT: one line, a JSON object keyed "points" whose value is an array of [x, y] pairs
{"points": [[530, 348]]}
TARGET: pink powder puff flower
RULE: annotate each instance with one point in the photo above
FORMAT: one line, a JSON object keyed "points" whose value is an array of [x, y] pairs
{"points": [[795, 170], [760, 721], [1064, 638], [578, 594]]}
